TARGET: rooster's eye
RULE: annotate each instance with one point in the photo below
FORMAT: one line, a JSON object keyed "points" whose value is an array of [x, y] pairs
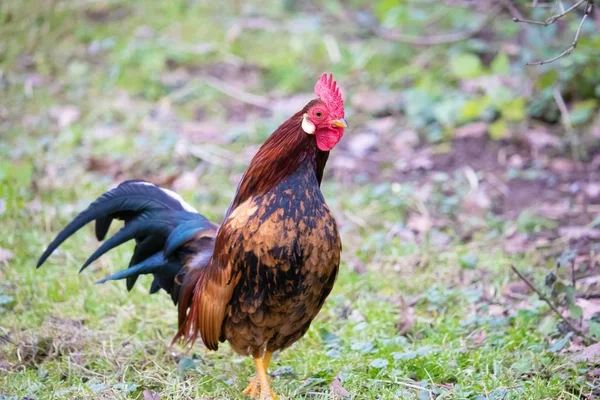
{"points": [[318, 113]]}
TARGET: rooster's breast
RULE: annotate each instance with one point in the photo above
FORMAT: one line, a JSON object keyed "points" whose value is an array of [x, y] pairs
{"points": [[288, 249]]}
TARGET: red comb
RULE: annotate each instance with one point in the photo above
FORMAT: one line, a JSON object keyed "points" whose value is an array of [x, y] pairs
{"points": [[327, 91]]}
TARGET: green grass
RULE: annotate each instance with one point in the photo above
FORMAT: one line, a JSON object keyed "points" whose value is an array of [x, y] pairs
{"points": [[62, 337]]}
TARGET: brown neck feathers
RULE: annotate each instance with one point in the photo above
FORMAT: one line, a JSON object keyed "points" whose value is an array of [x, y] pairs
{"points": [[279, 157]]}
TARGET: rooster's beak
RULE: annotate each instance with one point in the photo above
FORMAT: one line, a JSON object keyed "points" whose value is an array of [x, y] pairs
{"points": [[339, 123]]}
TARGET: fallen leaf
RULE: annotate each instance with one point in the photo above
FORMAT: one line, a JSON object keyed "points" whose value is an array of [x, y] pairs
{"points": [[592, 190], [6, 255], [477, 203], [186, 181], [337, 390], [516, 161], [358, 266], [419, 223], [590, 354], [405, 140], [105, 165], [65, 115], [517, 243], [539, 139], [473, 130], [579, 232], [562, 165], [477, 339], [150, 395], [76, 358], [421, 160], [496, 310], [516, 290], [407, 319], [590, 307]]}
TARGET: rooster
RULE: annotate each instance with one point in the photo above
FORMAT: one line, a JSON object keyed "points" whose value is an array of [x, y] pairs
{"points": [[259, 279]]}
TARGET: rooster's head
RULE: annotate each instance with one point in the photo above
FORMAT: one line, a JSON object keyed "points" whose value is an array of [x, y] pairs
{"points": [[325, 116]]}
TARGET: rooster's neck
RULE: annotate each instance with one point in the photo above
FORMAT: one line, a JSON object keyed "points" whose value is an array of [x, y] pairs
{"points": [[288, 150]]}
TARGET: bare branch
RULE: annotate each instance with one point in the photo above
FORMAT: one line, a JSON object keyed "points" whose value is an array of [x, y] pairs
{"points": [[553, 18], [588, 9], [566, 120], [568, 51], [546, 300], [512, 9]]}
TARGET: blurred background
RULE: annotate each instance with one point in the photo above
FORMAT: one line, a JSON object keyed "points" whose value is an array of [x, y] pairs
{"points": [[460, 162]]}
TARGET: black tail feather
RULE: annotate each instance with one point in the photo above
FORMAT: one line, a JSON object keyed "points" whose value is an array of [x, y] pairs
{"points": [[150, 265], [156, 218]]}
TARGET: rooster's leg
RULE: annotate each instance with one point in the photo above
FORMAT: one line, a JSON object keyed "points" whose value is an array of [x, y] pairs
{"points": [[253, 388], [260, 385]]}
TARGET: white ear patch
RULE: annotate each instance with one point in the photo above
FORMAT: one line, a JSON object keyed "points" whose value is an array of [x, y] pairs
{"points": [[308, 126]]}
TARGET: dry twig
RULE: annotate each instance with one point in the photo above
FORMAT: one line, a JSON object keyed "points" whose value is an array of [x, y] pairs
{"points": [[566, 120], [546, 300], [589, 6]]}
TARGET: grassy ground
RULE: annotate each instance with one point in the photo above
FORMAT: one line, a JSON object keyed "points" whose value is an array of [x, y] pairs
{"points": [[426, 305]]}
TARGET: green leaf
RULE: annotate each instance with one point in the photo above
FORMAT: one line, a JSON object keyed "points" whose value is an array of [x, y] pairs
{"points": [[529, 222], [560, 344], [498, 129], [363, 346], [466, 65], [447, 111], [383, 7], [186, 364], [582, 111], [594, 329], [522, 366], [379, 363], [5, 299], [547, 325], [473, 109], [328, 337], [468, 261], [525, 318], [514, 110], [575, 311], [547, 79], [425, 350], [98, 387], [501, 64], [125, 387], [500, 96]]}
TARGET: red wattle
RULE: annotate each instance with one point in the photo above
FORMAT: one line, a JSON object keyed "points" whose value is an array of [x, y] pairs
{"points": [[327, 139]]}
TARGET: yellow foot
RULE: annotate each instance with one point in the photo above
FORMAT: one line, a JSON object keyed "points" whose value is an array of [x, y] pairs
{"points": [[253, 388], [268, 395]]}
